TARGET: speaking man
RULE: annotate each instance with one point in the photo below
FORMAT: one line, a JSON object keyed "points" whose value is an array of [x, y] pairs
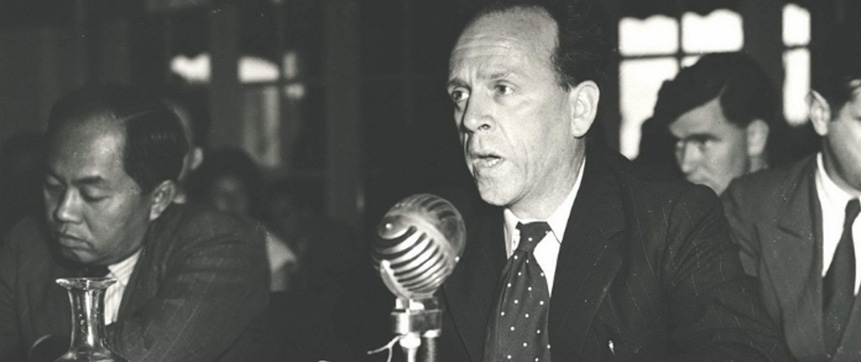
{"points": [[191, 284], [573, 255]]}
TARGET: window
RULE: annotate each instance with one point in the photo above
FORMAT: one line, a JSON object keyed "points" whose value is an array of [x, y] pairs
{"points": [[653, 50], [281, 84], [796, 62]]}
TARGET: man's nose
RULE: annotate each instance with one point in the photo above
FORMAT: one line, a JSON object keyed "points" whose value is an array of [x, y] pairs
{"points": [[68, 209], [477, 116], [688, 157]]}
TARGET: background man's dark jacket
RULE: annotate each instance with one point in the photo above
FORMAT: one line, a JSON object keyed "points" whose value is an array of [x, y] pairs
{"points": [[197, 293], [776, 218], [647, 271]]}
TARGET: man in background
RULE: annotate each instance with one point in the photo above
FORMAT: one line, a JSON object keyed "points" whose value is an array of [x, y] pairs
{"points": [[191, 283], [724, 115], [798, 226]]}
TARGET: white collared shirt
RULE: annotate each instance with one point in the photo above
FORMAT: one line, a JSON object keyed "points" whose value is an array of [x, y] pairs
{"points": [[832, 201], [547, 251], [122, 271]]}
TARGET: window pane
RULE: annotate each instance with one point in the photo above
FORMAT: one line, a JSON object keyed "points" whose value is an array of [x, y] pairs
{"points": [[720, 31], [796, 85], [256, 69], [690, 60], [640, 81], [192, 70], [656, 35], [252, 69], [796, 25]]}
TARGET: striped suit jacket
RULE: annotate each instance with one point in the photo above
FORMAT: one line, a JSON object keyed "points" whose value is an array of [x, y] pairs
{"points": [[197, 293], [647, 271]]}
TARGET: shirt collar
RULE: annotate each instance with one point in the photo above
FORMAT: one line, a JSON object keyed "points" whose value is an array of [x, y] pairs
{"points": [[831, 195], [558, 220], [122, 270]]}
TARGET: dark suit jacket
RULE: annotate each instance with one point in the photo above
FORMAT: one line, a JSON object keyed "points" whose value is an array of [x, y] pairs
{"points": [[776, 219], [645, 263], [195, 294]]}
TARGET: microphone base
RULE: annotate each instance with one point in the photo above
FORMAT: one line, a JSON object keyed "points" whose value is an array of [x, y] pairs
{"points": [[418, 322], [413, 316]]}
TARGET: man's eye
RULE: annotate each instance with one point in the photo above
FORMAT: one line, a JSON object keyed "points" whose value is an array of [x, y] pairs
{"points": [[503, 89], [90, 197], [458, 95], [52, 186]]}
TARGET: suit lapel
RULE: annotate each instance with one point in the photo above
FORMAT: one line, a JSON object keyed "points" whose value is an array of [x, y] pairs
{"points": [[589, 258], [470, 290], [794, 262]]}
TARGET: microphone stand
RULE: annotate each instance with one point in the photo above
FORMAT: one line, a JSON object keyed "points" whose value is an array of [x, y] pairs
{"points": [[418, 323]]}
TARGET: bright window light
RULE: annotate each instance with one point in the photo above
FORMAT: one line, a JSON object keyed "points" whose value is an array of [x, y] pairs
{"points": [[720, 31], [656, 35], [796, 25], [193, 70], [796, 85], [640, 81], [690, 60], [198, 69]]}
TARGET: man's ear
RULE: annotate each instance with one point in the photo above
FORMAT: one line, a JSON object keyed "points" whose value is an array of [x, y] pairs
{"points": [[162, 197], [583, 102], [757, 137], [820, 112]]}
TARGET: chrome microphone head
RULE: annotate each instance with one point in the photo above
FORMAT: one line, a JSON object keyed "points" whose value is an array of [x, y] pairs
{"points": [[418, 244]]}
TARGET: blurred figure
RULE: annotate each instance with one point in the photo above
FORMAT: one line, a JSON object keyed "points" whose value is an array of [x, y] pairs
{"points": [[798, 226], [194, 119], [332, 309], [230, 181], [22, 167], [724, 115]]}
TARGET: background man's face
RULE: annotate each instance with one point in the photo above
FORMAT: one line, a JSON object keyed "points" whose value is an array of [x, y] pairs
{"points": [[509, 107], [710, 150], [96, 211], [843, 145]]}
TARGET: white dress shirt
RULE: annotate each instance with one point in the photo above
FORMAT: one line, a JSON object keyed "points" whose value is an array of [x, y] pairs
{"points": [[122, 271], [547, 251], [832, 201]]}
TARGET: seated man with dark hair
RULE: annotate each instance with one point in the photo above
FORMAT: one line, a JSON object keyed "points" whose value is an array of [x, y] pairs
{"points": [[192, 284], [798, 226], [724, 114]]}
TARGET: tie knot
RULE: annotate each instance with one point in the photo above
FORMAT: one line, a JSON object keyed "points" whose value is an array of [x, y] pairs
{"points": [[531, 234], [852, 209]]}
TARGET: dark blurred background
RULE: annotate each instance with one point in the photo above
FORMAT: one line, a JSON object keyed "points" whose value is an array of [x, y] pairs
{"points": [[349, 94]]}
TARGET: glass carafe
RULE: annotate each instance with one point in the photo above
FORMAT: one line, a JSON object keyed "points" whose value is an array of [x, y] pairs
{"points": [[89, 343]]}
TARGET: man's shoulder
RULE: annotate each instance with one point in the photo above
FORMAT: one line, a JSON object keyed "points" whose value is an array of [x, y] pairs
{"points": [[644, 183], [197, 222], [775, 184], [780, 177]]}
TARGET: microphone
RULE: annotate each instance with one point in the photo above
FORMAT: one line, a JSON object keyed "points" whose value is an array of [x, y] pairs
{"points": [[419, 242]]}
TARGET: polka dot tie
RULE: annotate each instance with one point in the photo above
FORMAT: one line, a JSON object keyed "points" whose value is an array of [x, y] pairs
{"points": [[517, 329]]}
